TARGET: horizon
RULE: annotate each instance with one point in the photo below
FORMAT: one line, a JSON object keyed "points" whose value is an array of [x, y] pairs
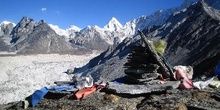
{"points": [[81, 13]]}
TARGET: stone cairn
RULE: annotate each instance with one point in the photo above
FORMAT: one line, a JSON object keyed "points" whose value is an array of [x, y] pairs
{"points": [[140, 67], [144, 64]]}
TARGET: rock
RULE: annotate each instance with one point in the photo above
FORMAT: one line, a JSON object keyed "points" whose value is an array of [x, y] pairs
{"points": [[147, 76], [180, 106], [69, 71], [145, 79], [111, 98], [22, 29], [153, 86]]}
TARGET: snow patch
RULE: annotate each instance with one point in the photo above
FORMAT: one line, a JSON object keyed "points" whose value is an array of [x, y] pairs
{"points": [[58, 30], [73, 28], [6, 23]]}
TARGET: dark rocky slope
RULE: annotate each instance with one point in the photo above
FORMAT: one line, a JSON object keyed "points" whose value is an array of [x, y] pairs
{"points": [[196, 37], [29, 37], [193, 37], [109, 64]]}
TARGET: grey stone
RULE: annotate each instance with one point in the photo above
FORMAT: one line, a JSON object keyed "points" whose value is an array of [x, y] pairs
{"points": [[142, 79], [153, 86], [140, 70]]}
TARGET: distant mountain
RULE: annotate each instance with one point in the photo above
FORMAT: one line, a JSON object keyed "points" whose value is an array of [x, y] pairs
{"points": [[22, 29], [193, 37], [159, 17], [115, 30], [30, 37], [67, 32], [94, 37], [91, 37], [113, 25], [5, 30]]}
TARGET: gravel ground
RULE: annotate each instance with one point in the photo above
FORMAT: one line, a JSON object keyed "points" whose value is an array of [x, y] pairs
{"points": [[193, 99]]}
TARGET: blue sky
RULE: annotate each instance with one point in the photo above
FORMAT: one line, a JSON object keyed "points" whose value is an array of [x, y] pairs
{"points": [[81, 12]]}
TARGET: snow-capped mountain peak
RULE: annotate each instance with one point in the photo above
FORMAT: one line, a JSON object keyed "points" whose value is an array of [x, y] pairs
{"points": [[64, 32], [58, 30], [6, 23], [87, 28], [74, 28], [113, 25]]}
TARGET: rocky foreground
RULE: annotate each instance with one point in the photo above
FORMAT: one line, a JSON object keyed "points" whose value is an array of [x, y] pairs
{"points": [[192, 99]]}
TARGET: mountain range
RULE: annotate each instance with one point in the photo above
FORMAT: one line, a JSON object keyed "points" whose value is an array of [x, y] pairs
{"points": [[191, 31], [18, 38], [192, 35]]}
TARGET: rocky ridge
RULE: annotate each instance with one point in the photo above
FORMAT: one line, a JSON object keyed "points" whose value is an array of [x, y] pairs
{"points": [[91, 37]]}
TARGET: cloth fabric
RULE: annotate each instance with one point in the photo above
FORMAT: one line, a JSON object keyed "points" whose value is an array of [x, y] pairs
{"points": [[38, 95], [81, 94], [100, 84], [181, 75], [25, 104], [202, 84], [188, 70]]}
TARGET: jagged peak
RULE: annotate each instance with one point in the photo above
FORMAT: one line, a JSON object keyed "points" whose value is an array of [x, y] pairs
{"points": [[113, 25], [41, 22], [86, 28], [113, 20], [26, 19]]}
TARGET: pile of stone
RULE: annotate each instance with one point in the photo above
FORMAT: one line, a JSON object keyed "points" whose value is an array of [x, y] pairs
{"points": [[143, 69], [140, 67]]}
